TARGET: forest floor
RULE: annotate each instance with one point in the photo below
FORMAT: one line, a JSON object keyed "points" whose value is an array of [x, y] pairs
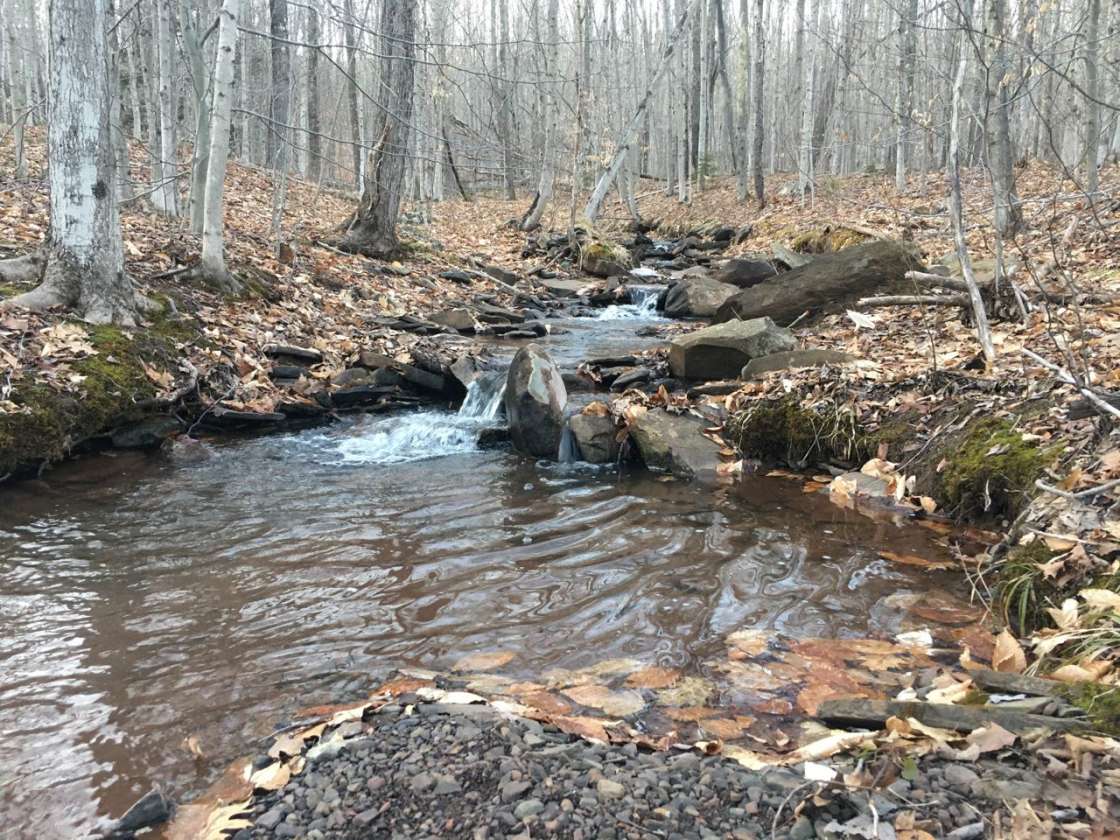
{"points": [[940, 432]]}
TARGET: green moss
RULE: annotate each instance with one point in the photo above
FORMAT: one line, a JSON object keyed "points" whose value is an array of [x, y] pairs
{"points": [[115, 383], [827, 240], [1022, 591], [603, 250], [783, 430], [992, 471], [1101, 703]]}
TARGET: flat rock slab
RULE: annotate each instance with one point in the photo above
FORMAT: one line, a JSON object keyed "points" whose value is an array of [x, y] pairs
{"points": [[560, 287], [721, 351], [675, 443], [789, 359]]}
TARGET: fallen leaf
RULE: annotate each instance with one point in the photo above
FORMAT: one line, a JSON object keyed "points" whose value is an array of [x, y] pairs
{"points": [[483, 661], [614, 703], [1008, 657], [653, 677], [991, 738]]}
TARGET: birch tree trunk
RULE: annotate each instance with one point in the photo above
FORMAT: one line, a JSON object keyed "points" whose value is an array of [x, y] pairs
{"points": [[200, 87], [373, 229], [279, 109], [212, 267], [166, 196], [956, 207], [533, 215], [84, 259], [630, 132]]}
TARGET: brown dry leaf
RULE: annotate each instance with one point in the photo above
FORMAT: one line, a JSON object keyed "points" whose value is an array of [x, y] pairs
{"points": [[614, 703], [1008, 657], [191, 745], [928, 504], [590, 728], [272, 777], [726, 729], [691, 714], [653, 677], [217, 809], [1101, 598], [991, 738], [545, 701], [749, 642], [291, 743], [1059, 543], [915, 560], [483, 661], [401, 685]]}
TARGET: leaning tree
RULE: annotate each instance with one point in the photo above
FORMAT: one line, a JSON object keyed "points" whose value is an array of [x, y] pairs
{"points": [[81, 266], [372, 230]]}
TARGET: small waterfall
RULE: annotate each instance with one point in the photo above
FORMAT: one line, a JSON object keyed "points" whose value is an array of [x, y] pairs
{"points": [[429, 434], [569, 448], [484, 397], [642, 305]]}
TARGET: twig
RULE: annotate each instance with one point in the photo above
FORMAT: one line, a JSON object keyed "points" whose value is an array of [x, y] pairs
{"points": [[914, 300], [1080, 494], [1067, 377]]}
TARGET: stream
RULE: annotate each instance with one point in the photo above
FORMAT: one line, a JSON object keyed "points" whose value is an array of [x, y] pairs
{"points": [[148, 599]]}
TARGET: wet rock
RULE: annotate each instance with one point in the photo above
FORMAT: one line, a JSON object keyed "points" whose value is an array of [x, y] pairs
{"points": [[230, 419], [460, 320], [410, 373], [595, 434], [631, 377], [721, 351], [300, 410], [150, 809], [456, 276], [744, 273], [352, 376], [675, 443], [564, 288], [788, 359], [280, 372], [291, 354], [490, 313], [959, 776], [502, 274], [149, 433], [535, 399], [698, 297]]}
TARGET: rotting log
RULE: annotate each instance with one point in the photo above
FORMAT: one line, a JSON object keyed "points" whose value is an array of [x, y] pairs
{"points": [[874, 713], [829, 283]]}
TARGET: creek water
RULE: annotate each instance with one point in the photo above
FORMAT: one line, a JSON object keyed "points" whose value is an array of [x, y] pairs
{"points": [[147, 599]]}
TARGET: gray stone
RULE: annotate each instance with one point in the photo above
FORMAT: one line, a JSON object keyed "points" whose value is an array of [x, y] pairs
{"points": [[1007, 789], [744, 273], [513, 790], [609, 789], [421, 782], [535, 399], [674, 443], [528, 808], [596, 435], [457, 319], [698, 297], [352, 376], [147, 434], [957, 775], [788, 359], [721, 351]]}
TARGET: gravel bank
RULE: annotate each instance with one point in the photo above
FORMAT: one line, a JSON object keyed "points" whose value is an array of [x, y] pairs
{"points": [[466, 771]]}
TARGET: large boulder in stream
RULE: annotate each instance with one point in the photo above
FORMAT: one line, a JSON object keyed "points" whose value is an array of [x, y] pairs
{"points": [[831, 282], [744, 273], [696, 297], [721, 351], [595, 434], [535, 400], [675, 443]]}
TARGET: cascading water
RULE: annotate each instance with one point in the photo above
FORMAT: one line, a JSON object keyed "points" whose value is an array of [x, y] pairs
{"points": [[643, 305], [429, 434]]}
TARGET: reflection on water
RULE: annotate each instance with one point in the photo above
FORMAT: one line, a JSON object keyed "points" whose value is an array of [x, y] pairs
{"points": [[145, 602]]}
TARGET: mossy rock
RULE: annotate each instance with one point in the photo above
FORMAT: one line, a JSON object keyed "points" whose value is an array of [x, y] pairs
{"points": [[52, 423], [785, 431], [827, 240], [991, 471]]}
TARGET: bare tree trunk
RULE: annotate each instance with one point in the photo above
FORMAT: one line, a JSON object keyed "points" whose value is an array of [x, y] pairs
{"points": [[907, 47], [200, 87], [743, 139], [725, 82], [805, 179], [166, 196], [352, 93], [84, 267], [701, 122], [373, 230], [314, 144], [533, 215], [20, 105], [956, 209], [630, 132], [757, 95], [1009, 215], [279, 108], [212, 267], [505, 108], [1093, 90]]}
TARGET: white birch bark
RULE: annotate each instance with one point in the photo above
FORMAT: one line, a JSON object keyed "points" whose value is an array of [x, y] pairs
{"points": [[533, 216], [165, 198]]}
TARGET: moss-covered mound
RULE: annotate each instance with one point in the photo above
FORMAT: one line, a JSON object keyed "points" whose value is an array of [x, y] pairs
{"points": [[114, 391], [991, 470], [827, 240]]}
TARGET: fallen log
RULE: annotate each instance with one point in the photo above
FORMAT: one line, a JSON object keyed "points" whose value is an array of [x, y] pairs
{"points": [[874, 713], [830, 283]]}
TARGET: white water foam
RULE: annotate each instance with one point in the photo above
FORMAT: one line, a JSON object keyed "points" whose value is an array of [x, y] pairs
{"points": [[430, 434], [644, 306]]}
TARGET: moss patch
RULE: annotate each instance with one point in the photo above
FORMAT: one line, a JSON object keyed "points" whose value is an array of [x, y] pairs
{"points": [[604, 251], [992, 470], [115, 383], [783, 430], [1100, 702], [827, 240]]}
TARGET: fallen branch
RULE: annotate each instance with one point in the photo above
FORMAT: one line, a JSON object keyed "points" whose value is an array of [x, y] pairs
{"points": [[923, 278], [1080, 494], [914, 300], [1067, 377], [862, 712]]}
